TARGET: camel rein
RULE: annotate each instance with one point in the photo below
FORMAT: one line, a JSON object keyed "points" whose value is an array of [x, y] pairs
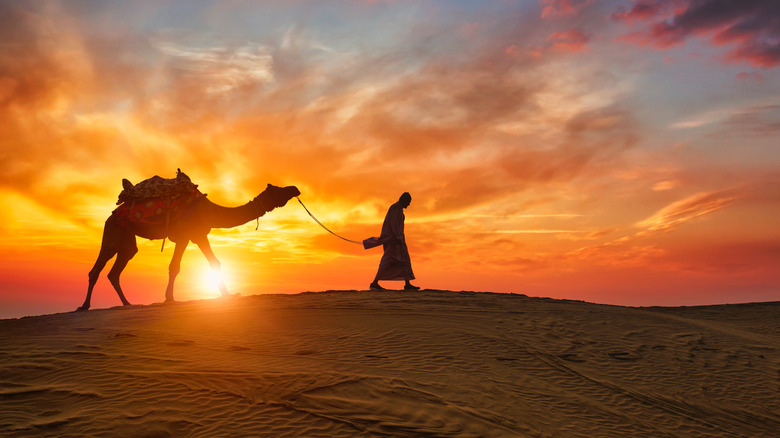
{"points": [[323, 226], [258, 224]]}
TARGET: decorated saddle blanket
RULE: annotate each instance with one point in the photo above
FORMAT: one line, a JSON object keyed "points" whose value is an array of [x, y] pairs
{"points": [[156, 210], [157, 187], [156, 200]]}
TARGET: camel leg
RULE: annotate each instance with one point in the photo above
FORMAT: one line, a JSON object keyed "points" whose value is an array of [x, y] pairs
{"points": [[174, 268], [108, 249], [205, 248], [127, 249]]}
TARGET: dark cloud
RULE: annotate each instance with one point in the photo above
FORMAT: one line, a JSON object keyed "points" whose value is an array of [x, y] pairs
{"points": [[750, 27]]}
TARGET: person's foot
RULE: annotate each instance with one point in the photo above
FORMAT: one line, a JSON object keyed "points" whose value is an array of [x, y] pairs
{"points": [[410, 286], [376, 286]]}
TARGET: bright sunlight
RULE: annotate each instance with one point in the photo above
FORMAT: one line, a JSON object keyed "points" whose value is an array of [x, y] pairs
{"points": [[211, 279]]}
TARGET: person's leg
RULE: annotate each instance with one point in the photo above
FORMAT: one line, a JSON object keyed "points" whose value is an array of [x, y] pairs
{"points": [[375, 284]]}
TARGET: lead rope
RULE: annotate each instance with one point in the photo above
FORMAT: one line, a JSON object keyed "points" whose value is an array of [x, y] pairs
{"points": [[323, 226]]}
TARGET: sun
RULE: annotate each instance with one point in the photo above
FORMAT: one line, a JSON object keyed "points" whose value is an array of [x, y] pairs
{"points": [[211, 280]]}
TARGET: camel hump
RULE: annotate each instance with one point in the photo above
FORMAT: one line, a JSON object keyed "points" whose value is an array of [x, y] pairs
{"points": [[157, 187]]}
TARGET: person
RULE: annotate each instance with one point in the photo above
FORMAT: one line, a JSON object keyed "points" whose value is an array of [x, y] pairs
{"points": [[396, 263]]}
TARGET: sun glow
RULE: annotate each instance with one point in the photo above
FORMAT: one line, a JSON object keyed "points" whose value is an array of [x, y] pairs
{"points": [[211, 281]]}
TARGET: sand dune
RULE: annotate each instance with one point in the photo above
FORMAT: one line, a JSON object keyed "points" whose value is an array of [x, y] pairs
{"points": [[430, 363]]}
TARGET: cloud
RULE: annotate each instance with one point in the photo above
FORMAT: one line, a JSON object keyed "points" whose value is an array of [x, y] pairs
{"points": [[222, 69], [665, 185], [679, 212], [428, 114], [572, 40], [749, 27], [558, 8], [755, 118], [646, 10], [703, 119], [42, 65], [637, 247]]}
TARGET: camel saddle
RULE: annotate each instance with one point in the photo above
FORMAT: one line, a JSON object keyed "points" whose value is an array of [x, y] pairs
{"points": [[157, 187], [156, 200]]}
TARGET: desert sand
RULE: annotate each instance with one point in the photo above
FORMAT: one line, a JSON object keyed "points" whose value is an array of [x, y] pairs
{"points": [[405, 364]]}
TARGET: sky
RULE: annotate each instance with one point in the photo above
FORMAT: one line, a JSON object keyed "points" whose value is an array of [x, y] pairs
{"points": [[621, 151]]}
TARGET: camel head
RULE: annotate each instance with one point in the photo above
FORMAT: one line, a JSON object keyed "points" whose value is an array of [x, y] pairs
{"points": [[273, 197]]}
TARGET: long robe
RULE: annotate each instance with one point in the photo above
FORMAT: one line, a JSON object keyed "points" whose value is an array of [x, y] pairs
{"points": [[396, 263]]}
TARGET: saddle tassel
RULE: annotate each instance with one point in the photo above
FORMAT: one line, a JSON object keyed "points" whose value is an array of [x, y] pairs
{"points": [[167, 219]]}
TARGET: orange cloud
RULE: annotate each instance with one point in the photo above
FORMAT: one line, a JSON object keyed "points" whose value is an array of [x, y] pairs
{"points": [[677, 213]]}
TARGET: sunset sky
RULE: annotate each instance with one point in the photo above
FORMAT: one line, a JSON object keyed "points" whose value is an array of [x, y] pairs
{"points": [[621, 152]]}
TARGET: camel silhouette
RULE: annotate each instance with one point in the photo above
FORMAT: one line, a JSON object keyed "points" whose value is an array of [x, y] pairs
{"points": [[193, 226]]}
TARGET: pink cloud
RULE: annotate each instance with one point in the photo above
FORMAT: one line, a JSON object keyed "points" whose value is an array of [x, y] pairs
{"points": [[643, 10], [531, 52], [556, 8], [750, 27], [757, 55], [646, 10], [572, 40]]}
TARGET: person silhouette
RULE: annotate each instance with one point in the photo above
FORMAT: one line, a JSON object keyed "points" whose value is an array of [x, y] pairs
{"points": [[396, 263]]}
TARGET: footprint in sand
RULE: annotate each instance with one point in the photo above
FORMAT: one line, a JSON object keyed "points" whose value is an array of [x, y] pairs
{"points": [[571, 357], [625, 355]]}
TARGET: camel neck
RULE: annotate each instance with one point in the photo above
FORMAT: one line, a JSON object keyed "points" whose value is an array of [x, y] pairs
{"points": [[230, 217]]}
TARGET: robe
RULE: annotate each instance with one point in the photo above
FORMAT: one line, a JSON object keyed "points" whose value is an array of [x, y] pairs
{"points": [[396, 263]]}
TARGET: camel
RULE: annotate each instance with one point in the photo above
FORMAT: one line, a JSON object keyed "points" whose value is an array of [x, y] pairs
{"points": [[194, 226]]}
